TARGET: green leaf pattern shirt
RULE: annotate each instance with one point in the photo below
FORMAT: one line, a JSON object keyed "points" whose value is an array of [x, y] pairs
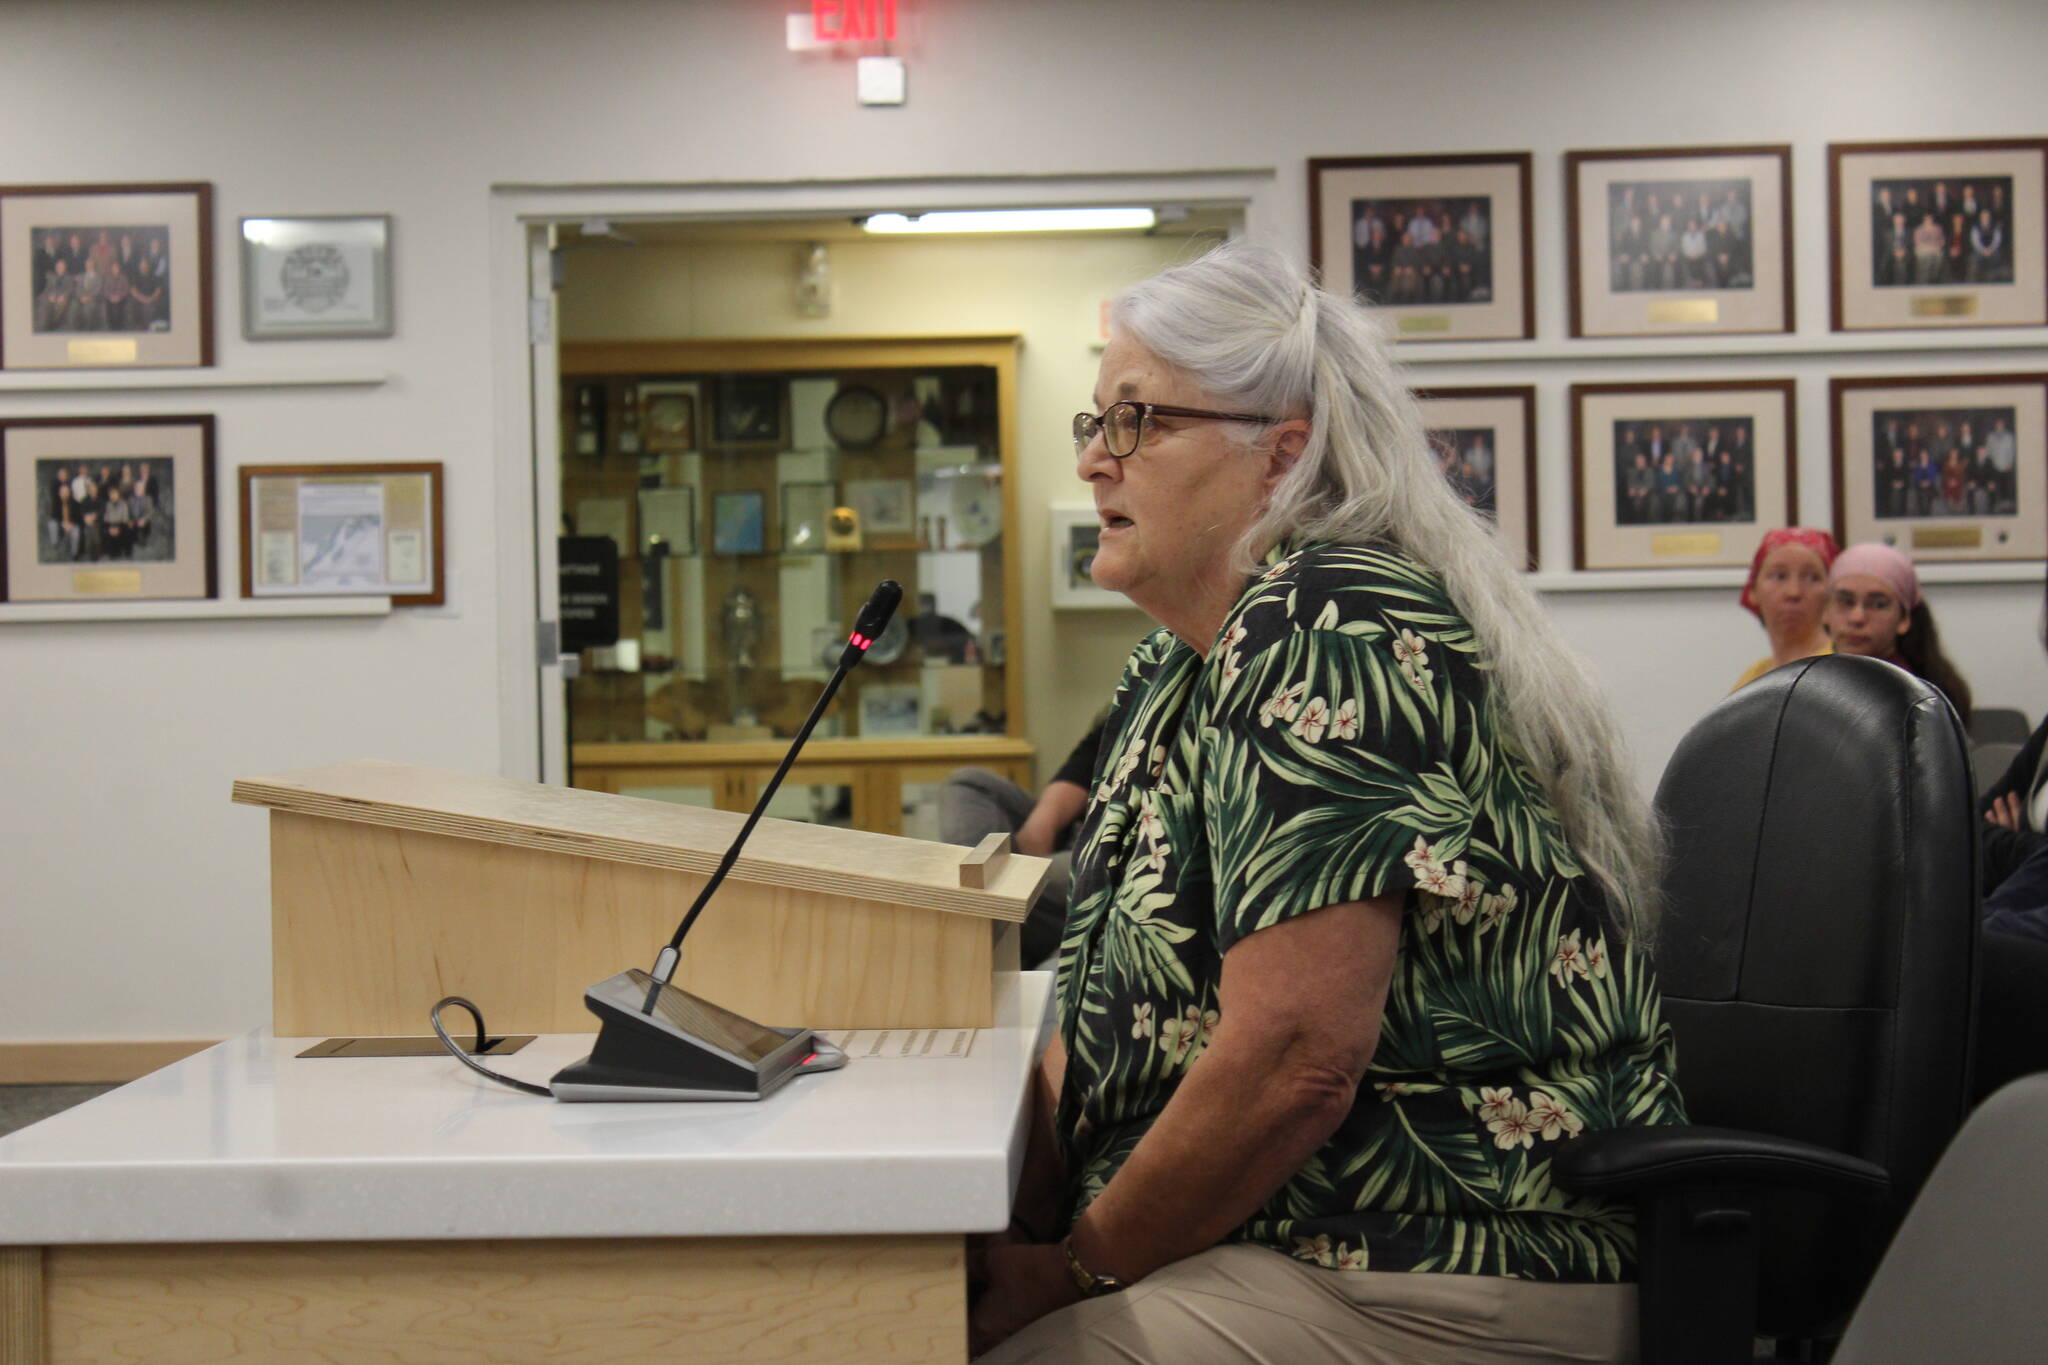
{"points": [[1340, 743]]}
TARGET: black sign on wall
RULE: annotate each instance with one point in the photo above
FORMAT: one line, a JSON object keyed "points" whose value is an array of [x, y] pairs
{"points": [[589, 591]]}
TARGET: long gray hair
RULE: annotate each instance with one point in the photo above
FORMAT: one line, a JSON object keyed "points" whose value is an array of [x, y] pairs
{"points": [[1249, 326]]}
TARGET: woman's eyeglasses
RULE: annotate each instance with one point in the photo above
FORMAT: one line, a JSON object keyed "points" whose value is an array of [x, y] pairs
{"points": [[1122, 425]]}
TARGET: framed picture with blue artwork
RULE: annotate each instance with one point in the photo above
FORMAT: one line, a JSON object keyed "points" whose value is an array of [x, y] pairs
{"points": [[738, 523]]}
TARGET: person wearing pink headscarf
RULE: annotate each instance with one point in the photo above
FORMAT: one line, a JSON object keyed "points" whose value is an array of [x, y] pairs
{"points": [[1786, 589], [1874, 608]]}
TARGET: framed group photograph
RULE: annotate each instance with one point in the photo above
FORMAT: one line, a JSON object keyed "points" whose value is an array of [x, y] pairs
{"points": [[1938, 234], [668, 418], [1076, 533], [1681, 474], [1440, 244], [750, 412], [323, 276], [1679, 241], [322, 530], [106, 276], [96, 509], [738, 523], [1944, 468], [1485, 444]]}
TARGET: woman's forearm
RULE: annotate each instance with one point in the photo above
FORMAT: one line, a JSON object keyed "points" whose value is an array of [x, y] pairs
{"points": [[1245, 1119]]}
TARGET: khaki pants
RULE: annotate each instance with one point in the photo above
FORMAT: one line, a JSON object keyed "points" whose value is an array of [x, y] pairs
{"points": [[1245, 1303]]}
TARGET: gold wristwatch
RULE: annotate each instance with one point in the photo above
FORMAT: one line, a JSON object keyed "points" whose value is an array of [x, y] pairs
{"points": [[1091, 1285]]}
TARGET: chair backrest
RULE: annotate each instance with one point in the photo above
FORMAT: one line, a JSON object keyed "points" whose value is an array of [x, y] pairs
{"points": [[1999, 725], [1818, 947], [1991, 758], [1962, 1280]]}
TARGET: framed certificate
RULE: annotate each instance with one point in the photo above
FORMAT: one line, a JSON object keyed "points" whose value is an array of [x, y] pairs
{"points": [[343, 529], [316, 277]]}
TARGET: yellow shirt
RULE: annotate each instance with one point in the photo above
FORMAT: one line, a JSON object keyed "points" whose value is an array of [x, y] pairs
{"points": [[1766, 664]]}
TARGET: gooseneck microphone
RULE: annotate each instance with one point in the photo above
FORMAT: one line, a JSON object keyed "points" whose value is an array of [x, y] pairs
{"points": [[867, 628], [658, 1042]]}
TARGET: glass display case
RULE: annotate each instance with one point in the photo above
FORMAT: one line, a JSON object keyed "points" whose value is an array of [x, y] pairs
{"points": [[754, 493]]}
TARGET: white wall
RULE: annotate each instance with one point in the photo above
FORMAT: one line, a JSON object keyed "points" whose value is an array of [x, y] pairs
{"points": [[124, 865]]}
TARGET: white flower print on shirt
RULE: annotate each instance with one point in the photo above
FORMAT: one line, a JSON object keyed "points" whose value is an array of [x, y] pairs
{"points": [[1411, 652], [1314, 719], [1494, 1101], [1141, 1019], [1512, 1127], [1185, 1036], [1316, 1248], [1570, 960], [1469, 898], [1438, 880], [1552, 1117], [1495, 908], [1596, 959], [1282, 705], [1344, 725]]}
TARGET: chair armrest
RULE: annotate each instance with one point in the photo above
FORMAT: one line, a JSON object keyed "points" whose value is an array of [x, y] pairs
{"points": [[1626, 1162]]}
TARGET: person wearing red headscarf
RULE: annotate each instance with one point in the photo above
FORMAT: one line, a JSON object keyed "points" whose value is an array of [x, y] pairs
{"points": [[1786, 590]]}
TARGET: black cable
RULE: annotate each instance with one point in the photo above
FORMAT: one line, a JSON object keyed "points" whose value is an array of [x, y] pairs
{"points": [[434, 1017]]}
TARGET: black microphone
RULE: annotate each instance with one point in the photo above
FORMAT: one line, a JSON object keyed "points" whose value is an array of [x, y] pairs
{"points": [[675, 1046], [867, 627], [872, 621]]}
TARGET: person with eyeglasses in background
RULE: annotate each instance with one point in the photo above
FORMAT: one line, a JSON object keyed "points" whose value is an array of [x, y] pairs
{"points": [[1355, 939], [1874, 608]]}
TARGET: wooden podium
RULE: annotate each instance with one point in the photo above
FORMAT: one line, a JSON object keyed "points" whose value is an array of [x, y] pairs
{"points": [[393, 886]]}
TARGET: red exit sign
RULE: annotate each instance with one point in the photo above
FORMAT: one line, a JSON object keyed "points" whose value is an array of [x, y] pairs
{"points": [[853, 21]]}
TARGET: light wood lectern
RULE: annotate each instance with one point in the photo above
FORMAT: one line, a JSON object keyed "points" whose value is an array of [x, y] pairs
{"points": [[394, 885]]}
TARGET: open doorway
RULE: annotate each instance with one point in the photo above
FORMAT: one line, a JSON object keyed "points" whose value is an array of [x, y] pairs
{"points": [[698, 265], [761, 419]]}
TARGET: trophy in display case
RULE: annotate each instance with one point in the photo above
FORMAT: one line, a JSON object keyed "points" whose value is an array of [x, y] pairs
{"points": [[741, 622]]}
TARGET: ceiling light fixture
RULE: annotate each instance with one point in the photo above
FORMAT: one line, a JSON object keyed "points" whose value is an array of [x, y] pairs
{"points": [[1013, 220]]}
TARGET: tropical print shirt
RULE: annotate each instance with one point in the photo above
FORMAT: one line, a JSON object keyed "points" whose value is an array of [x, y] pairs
{"points": [[1341, 743]]}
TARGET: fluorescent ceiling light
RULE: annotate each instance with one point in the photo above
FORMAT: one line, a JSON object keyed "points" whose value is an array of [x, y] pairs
{"points": [[1014, 220]]}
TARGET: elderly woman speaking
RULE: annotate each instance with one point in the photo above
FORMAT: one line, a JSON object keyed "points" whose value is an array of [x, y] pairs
{"points": [[1353, 945]]}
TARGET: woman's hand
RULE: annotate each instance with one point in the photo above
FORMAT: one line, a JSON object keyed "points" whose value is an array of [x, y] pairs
{"points": [[1024, 1284], [2005, 811]]}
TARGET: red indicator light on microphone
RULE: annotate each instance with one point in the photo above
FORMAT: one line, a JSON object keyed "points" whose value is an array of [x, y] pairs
{"points": [[860, 641]]}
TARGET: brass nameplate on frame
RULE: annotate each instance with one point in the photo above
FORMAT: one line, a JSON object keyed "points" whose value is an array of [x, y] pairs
{"points": [[102, 351], [1948, 537], [1945, 306], [1686, 310], [1685, 544], [1435, 322], [107, 582]]}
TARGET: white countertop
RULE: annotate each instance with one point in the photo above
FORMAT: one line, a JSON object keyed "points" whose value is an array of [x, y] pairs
{"points": [[246, 1142]]}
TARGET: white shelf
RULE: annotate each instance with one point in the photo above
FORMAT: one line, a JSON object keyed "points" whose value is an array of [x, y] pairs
{"points": [[1731, 580], [1921, 344], [217, 609], [283, 377]]}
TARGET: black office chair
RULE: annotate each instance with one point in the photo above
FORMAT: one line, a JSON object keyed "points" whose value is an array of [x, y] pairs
{"points": [[1818, 958]]}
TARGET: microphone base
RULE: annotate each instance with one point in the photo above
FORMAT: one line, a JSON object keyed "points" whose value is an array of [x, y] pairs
{"points": [[683, 1049]]}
